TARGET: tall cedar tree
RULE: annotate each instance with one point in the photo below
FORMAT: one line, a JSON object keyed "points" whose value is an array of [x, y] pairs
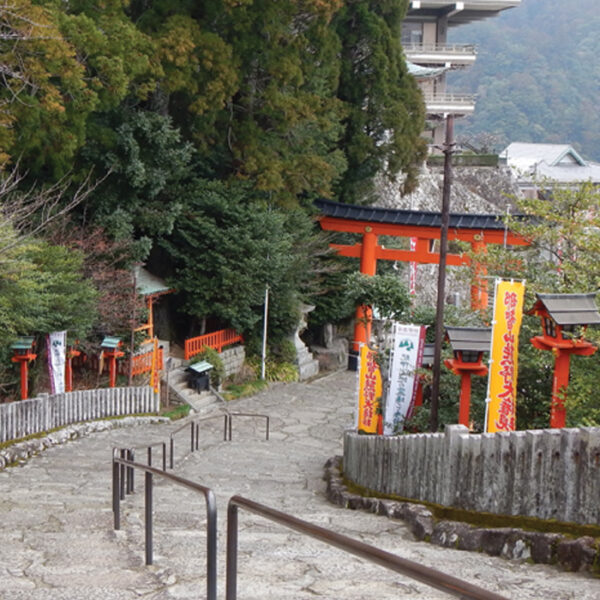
{"points": [[386, 117]]}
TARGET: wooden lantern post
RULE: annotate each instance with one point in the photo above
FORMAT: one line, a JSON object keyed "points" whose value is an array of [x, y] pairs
{"points": [[564, 318], [468, 344], [23, 353]]}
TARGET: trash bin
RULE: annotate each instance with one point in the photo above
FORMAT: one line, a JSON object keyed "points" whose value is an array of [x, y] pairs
{"points": [[199, 375]]}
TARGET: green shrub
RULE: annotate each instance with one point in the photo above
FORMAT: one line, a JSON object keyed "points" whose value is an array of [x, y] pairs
{"points": [[210, 355]]}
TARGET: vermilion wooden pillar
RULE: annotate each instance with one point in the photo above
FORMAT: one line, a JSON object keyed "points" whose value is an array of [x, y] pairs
{"points": [[479, 293], [368, 266], [71, 354], [23, 360], [465, 370]]}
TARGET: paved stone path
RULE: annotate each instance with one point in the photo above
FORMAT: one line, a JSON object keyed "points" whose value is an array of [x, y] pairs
{"points": [[57, 541]]}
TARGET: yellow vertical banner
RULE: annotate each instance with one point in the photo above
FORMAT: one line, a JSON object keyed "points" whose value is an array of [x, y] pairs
{"points": [[504, 356], [369, 391]]}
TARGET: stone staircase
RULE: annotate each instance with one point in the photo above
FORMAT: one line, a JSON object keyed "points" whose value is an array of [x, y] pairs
{"points": [[201, 402], [57, 540]]}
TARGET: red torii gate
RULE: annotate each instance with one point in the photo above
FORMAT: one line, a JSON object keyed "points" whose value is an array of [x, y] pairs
{"points": [[371, 222]]}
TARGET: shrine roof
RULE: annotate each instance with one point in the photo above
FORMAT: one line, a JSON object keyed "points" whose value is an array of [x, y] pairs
{"points": [[420, 218], [476, 339], [570, 309], [149, 284]]}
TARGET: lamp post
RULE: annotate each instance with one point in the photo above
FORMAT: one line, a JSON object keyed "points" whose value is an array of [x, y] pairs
{"points": [[439, 314], [564, 318], [468, 345]]}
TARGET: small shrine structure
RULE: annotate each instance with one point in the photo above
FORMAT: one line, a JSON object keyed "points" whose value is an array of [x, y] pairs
{"points": [[564, 318], [111, 348], [468, 345], [425, 227], [151, 287], [22, 354]]}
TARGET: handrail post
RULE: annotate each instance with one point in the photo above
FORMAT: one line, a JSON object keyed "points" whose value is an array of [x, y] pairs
{"points": [[172, 448], [148, 517], [130, 473], [192, 435], [230, 424], [225, 427], [268, 420], [164, 457], [232, 554], [122, 476], [115, 494], [149, 456], [197, 434], [211, 545]]}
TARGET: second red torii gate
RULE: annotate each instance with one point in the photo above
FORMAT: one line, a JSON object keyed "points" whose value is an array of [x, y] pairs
{"points": [[372, 222]]}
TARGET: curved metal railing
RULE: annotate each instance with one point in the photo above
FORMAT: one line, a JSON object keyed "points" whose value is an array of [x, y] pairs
{"points": [[432, 577]]}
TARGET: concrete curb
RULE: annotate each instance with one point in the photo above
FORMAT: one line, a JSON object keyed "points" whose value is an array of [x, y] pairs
{"points": [[571, 554], [19, 452]]}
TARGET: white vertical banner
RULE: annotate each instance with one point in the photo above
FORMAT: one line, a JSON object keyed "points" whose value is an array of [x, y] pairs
{"points": [[57, 350], [406, 357]]}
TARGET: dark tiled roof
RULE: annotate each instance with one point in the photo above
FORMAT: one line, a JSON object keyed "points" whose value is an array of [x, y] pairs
{"points": [[571, 309], [428, 355], [470, 338], [407, 217]]}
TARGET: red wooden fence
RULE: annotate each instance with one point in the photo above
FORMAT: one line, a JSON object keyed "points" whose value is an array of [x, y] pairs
{"points": [[217, 340]]}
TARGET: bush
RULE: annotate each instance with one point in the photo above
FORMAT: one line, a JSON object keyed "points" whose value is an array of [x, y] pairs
{"points": [[210, 355]]}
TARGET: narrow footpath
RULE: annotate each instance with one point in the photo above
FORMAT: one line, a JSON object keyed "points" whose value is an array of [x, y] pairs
{"points": [[57, 541]]}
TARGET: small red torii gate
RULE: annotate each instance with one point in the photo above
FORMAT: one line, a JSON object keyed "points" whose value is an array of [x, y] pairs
{"points": [[371, 222]]}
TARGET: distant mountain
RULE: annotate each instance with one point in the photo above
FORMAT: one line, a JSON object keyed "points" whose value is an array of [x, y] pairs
{"points": [[537, 75]]}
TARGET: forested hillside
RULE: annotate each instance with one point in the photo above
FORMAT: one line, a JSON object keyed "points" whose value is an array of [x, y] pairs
{"points": [[536, 74], [192, 137]]}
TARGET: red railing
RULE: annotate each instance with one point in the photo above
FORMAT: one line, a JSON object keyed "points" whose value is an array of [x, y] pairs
{"points": [[142, 363], [217, 340]]}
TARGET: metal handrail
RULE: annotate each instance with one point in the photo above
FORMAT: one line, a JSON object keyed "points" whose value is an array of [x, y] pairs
{"points": [[239, 414], [194, 426], [119, 464], [427, 575]]}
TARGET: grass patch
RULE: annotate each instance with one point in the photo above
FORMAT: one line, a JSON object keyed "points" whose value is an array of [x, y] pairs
{"points": [[240, 390], [177, 412]]}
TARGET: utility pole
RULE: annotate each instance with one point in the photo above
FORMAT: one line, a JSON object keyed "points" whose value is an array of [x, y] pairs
{"points": [[441, 292]]}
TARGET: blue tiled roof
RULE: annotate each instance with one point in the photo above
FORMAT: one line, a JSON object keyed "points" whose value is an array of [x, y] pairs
{"points": [[407, 217]]}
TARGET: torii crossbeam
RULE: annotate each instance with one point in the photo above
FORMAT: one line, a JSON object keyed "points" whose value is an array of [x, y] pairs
{"points": [[371, 222]]}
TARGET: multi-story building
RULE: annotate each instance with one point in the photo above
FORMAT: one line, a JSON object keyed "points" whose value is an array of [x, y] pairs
{"points": [[424, 39]]}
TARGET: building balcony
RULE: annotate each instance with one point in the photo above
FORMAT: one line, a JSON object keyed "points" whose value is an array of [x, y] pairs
{"points": [[459, 12], [440, 54], [449, 104]]}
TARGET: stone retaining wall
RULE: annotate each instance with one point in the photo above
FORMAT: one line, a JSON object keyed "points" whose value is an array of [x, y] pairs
{"points": [[27, 417], [233, 358], [548, 474], [572, 554]]}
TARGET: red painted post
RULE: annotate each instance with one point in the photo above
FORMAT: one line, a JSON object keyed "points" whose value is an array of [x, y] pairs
{"points": [[464, 405], [479, 293], [558, 412], [24, 377], [112, 370], [368, 266]]}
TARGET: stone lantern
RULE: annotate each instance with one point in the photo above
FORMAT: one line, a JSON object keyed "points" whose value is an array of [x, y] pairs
{"points": [[468, 345], [23, 353], [564, 318]]}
